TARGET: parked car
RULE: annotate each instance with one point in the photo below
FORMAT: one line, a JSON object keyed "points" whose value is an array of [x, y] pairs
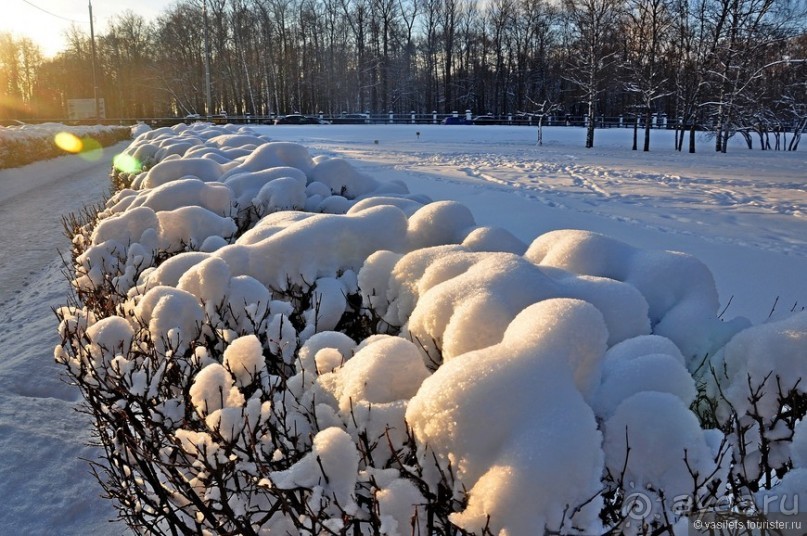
{"points": [[298, 119], [486, 119], [352, 119], [455, 121]]}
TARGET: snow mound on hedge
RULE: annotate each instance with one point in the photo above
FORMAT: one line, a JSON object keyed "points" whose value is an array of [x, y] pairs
{"points": [[756, 377], [452, 301], [183, 192], [184, 200], [679, 289], [323, 245], [656, 444], [537, 429], [331, 466], [525, 373], [773, 351]]}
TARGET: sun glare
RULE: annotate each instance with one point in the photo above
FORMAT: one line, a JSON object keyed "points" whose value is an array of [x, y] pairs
{"points": [[92, 150], [47, 21], [47, 32]]}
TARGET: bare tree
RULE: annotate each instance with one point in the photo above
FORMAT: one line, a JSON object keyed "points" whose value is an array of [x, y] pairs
{"points": [[448, 29], [430, 43], [689, 50], [729, 66], [592, 25], [534, 38], [746, 31], [501, 22], [648, 23], [126, 50], [179, 34], [542, 110], [356, 15]]}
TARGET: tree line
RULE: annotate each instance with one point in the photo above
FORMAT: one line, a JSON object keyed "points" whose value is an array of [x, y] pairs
{"points": [[730, 66]]}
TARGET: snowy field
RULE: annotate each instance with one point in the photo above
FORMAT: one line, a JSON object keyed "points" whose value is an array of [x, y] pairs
{"points": [[744, 214]]}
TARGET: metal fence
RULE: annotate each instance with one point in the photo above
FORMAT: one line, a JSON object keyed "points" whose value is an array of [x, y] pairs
{"points": [[466, 117], [411, 118]]}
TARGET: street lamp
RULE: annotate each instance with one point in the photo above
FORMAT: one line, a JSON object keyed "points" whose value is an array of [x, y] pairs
{"points": [[94, 79], [208, 103]]}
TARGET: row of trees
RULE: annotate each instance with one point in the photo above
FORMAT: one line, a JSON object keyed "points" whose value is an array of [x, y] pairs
{"points": [[729, 65]]}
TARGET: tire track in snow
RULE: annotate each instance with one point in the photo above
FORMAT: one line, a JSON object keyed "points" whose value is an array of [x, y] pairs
{"points": [[31, 215]]}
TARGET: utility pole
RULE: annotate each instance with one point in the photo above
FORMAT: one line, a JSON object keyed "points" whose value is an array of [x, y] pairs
{"points": [[94, 79], [208, 100]]}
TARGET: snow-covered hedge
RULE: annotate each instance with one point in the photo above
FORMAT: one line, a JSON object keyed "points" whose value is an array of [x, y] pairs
{"points": [[275, 343], [24, 144]]}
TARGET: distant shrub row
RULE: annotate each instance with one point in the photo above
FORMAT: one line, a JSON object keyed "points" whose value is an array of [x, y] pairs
{"points": [[25, 144]]}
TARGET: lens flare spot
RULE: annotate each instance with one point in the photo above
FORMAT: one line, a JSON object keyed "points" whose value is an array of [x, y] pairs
{"points": [[91, 150], [68, 142], [126, 163]]}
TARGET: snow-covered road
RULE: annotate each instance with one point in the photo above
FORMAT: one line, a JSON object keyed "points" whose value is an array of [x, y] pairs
{"points": [[45, 486], [32, 202]]}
